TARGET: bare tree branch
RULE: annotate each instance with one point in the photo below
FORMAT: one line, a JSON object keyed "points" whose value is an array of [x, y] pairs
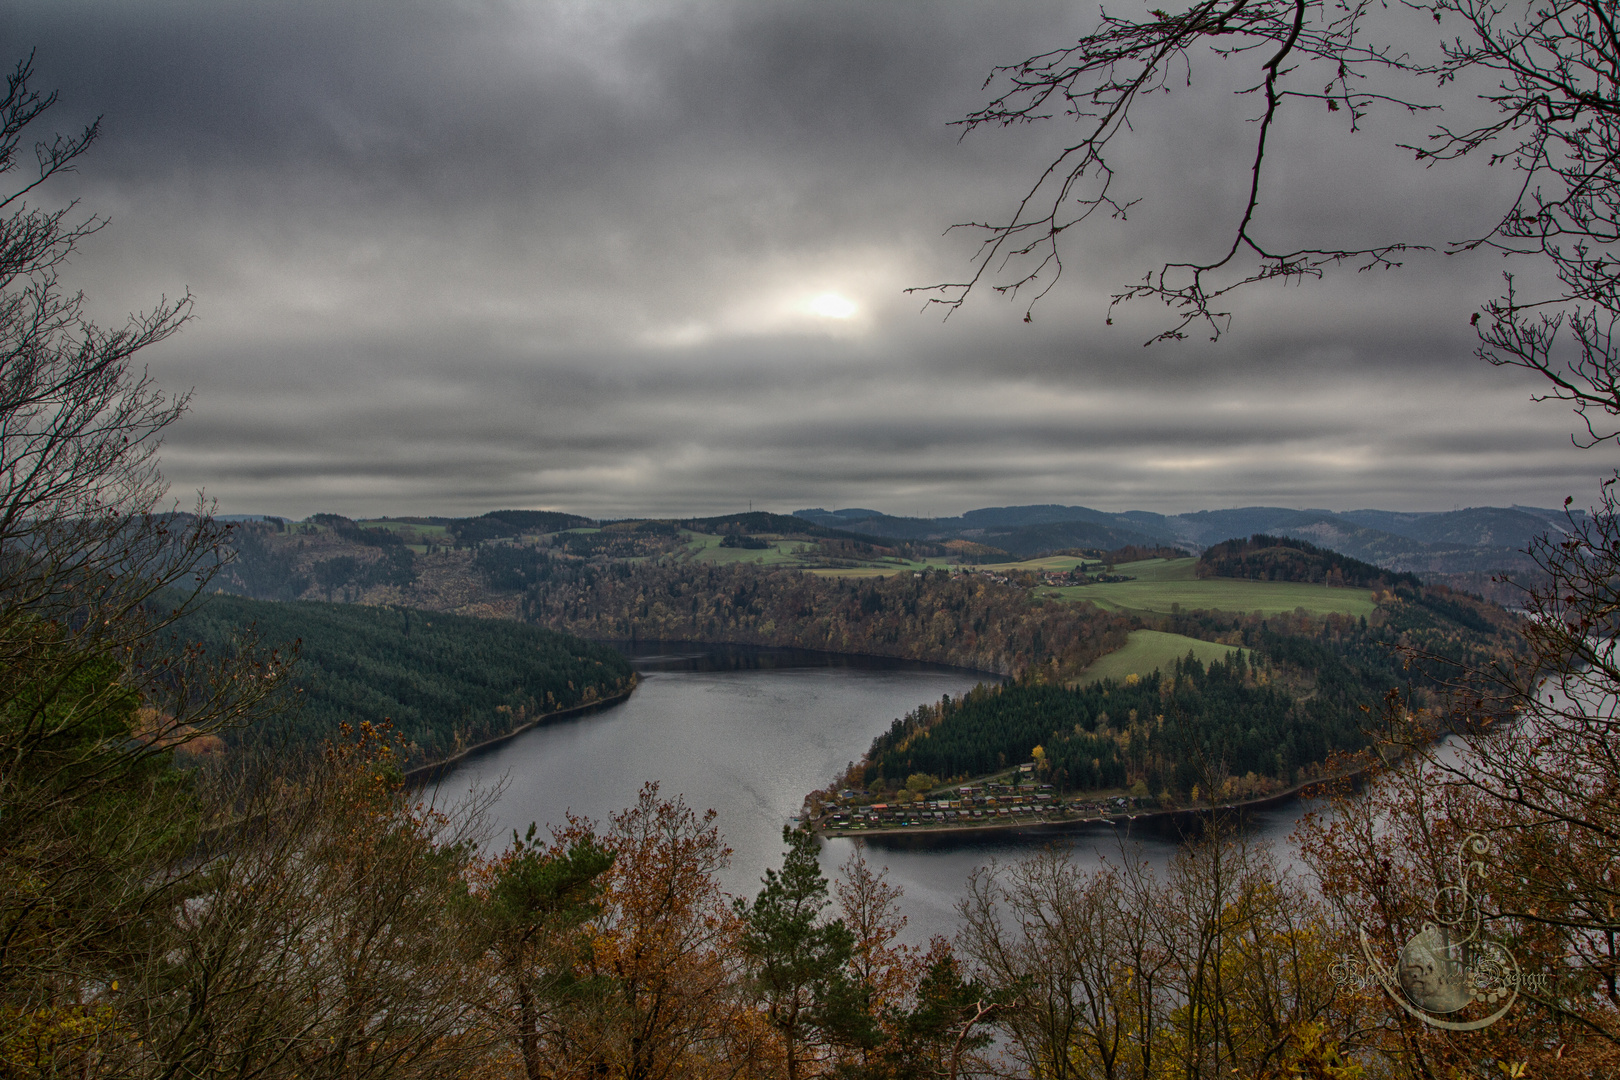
{"points": [[1102, 80]]}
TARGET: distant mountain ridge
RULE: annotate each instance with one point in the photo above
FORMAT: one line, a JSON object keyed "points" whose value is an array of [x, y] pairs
{"points": [[1463, 549], [1459, 547]]}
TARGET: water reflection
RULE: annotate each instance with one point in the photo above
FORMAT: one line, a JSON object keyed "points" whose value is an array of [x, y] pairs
{"points": [[748, 731], [650, 656], [933, 872]]}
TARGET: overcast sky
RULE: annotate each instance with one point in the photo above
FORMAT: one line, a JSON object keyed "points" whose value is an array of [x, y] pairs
{"points": [[648, 258]]}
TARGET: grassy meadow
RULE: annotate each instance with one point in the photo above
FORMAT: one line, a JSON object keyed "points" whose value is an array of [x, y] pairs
{"points": [[1163, 584], [1045, 562], [1159, 585], [875, 571], [705, 547], [1150, 650]]}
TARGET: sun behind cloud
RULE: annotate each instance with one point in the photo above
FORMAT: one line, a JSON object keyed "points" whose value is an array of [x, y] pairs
{"points": [[833, 306]]}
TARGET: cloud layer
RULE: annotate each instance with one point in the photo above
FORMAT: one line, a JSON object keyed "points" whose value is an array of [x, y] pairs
{"points": [[650, 258]]}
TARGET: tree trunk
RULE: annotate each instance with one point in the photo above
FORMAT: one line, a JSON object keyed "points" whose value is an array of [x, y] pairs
{"points": [[528, 1038]]}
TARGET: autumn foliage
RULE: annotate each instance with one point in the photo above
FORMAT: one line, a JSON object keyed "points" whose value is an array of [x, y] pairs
{"points": [[965, 620]]}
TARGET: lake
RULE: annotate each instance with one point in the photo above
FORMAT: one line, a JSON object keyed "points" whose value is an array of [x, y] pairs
{"points": [[748, 732]]}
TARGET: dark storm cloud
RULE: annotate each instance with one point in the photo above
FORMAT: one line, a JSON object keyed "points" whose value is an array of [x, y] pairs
{"points": [[455, 255]]}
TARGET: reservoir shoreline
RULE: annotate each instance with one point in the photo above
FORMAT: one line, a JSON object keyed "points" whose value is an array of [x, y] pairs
{"points": [[642, 649], [1177, 823], [424, 774], [747, 738]]}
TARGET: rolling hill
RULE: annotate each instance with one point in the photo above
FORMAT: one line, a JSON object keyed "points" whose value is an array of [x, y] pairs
{"points": [[1458, 547]]}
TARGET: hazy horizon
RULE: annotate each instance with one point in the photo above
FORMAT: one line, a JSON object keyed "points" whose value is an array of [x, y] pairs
{"points": [[398, 515]]}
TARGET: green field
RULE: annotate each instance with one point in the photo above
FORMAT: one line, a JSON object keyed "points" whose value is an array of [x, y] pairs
{"points": [[796, 554], [1047, 562], [1150, 650], [885, 570], [705, 547], [1160, 570], [1164, 584]]}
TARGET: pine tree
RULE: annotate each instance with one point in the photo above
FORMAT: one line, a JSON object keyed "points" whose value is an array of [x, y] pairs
{"points": [[798, 960]]}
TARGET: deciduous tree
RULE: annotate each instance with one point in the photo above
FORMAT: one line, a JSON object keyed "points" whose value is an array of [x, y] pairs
{"points": [[94, 697], [1220, 968], [317, 937], [916, 1011], [665, 946]]}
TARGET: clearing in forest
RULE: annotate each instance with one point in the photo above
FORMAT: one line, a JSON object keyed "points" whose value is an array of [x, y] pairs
{"points": [[707, 547], [1151, 650]]}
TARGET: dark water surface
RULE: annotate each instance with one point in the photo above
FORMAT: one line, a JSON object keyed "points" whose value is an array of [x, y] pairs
{"points": [[748, 732]]}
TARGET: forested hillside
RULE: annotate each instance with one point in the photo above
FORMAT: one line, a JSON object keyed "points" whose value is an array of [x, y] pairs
{"points": [[1160, 731], [1282, 558], [443, 681], [966, 620], [1300, 689]]}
